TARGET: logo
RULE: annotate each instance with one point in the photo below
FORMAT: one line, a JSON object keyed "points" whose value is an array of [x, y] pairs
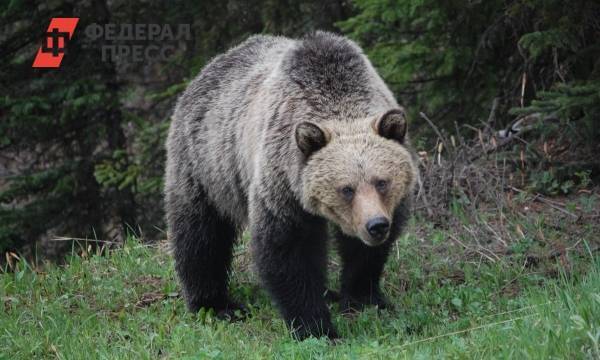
{"points": [[52, 51], [126, 44]]}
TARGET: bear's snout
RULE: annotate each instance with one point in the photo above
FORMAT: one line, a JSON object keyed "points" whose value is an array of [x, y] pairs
{"points": [[378, 228], [371, 221]]}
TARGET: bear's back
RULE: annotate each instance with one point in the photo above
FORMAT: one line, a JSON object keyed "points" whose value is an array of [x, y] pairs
{"points": [[223, 72], [236, 117]]}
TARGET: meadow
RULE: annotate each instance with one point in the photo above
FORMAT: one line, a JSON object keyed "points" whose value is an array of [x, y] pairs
{"points": [[125, 302]]}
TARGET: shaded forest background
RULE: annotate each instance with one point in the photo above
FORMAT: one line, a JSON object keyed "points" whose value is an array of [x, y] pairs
{"points": [[82, 147]]}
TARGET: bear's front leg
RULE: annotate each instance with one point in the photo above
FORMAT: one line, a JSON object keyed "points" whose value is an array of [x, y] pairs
{"points": [[291, 258], [362, 267]]}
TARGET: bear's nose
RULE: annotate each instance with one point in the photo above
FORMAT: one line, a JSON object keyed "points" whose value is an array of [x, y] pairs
{"points": [[378, 227]]}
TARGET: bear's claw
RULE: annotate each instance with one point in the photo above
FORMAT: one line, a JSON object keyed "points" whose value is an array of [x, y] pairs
{"points": [[350, 303], [233, 312], [304, 332]]}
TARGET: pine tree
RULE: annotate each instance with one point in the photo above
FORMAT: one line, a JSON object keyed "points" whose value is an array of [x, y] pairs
{"points": [[451, 59], [57, 125]]}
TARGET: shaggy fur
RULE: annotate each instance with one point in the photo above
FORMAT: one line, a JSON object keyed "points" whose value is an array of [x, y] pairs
{"points": [[287, 136]]}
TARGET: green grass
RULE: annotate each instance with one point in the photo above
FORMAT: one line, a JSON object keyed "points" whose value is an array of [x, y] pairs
{"points": [[125, 304]]}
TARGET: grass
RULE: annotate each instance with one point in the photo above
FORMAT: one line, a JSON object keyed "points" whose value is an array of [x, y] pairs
{"points": [[124, 303]]}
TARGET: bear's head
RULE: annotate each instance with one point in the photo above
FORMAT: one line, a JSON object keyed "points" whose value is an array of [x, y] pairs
{"points": [[357, 172]]}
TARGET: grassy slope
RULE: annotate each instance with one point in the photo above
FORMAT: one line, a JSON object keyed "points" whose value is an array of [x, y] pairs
{"points": [[125, 305]]}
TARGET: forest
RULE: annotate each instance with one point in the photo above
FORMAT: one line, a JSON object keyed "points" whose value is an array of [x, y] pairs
{"points": [[503, 98], [83, 146]]}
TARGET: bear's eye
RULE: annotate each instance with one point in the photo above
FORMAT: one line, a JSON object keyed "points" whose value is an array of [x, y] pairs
{"points": [[347, 192], [381, 185]]}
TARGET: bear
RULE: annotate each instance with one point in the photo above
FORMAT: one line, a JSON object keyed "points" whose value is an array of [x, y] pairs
{"points": [[297, 141]]}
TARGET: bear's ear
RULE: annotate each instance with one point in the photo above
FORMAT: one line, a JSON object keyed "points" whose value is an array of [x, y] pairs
{"points": [[311, 137], [391, 125]]}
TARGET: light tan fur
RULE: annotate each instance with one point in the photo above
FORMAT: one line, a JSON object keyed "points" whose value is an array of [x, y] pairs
{"points": [[357, 156]]}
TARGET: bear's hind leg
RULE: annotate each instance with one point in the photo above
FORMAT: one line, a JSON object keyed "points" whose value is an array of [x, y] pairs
{"points": [[202, 243]]}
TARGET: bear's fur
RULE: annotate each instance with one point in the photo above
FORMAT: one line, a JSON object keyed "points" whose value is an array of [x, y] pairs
{"points": [[287, 136]]}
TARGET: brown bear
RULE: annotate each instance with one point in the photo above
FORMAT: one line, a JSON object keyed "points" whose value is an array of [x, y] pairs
{"points": [[286, 137]]}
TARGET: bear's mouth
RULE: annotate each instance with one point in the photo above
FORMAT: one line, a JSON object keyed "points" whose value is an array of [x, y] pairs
{"points": [[370, 242]]}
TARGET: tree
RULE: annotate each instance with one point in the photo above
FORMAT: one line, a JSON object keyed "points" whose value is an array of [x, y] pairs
{"points": [[83, 146], [451, 59], [57, 125]]}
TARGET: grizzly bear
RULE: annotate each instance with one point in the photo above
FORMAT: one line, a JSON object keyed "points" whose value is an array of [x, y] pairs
{"points": [[287, 137]]}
